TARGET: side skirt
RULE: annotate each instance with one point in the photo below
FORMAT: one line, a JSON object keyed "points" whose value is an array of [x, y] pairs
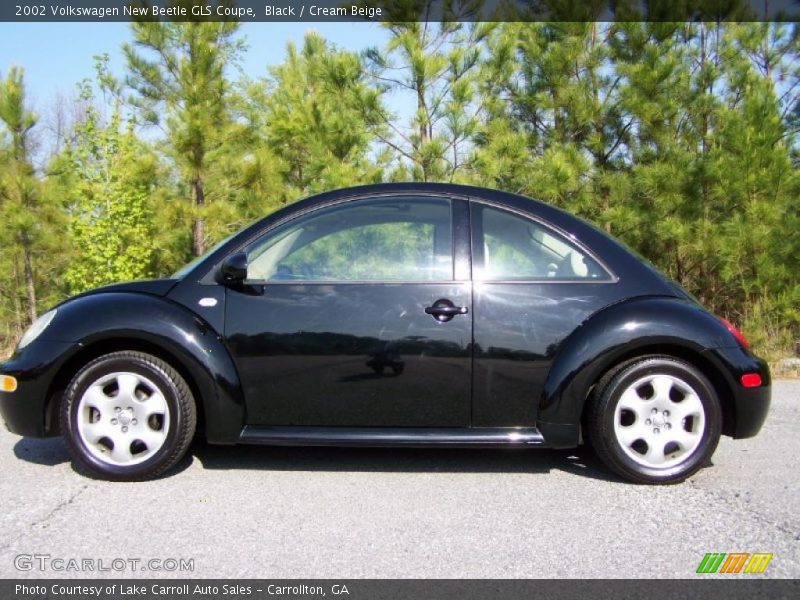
{"points": [[392, 436]]}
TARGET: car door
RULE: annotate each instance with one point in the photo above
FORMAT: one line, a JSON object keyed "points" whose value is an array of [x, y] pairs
{"points": [[534, 285], [351, 316]]}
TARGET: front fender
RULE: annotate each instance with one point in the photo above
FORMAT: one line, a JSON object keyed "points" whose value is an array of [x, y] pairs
{"points": [[116, 317], [609, 336]]}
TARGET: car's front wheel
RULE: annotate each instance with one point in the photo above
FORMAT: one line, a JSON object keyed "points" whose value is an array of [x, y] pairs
{"points": [[128, 416], [654, 420]]}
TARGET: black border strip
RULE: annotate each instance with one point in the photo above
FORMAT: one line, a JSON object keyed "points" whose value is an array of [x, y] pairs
{"points": [[398, 10], [733, 588]]}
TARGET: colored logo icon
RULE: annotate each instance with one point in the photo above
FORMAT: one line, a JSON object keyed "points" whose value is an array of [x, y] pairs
{"points": [[734, 562]]}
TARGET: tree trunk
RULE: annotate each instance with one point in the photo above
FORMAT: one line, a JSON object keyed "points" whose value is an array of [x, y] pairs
{"points": [[28, 273], [423, 110], [198, 228], [423, 128], [17, 304]]}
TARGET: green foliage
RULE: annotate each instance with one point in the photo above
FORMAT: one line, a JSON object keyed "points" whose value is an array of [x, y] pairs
{"points": [[436, 65], [107, 178], [29, 223], [678, 138], [179, 76], [319, 119]]}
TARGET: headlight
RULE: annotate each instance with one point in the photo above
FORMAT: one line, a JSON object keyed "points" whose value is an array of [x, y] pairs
{"points": [[35, 330]]}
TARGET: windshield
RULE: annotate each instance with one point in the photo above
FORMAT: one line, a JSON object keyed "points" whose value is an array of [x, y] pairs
{"points": [[187, 268]]}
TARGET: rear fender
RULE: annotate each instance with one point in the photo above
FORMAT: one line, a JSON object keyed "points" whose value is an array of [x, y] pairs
{"points": [[608, 337]]}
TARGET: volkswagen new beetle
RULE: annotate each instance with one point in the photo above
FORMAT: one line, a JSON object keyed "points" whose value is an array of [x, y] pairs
{"points": [[393, 315]]}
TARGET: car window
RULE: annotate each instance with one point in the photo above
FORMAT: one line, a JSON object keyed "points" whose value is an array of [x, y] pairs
{"points": [[386, 239], [509, 247]]}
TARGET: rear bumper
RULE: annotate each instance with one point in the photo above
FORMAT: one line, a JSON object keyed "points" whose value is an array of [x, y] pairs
{"points": [[750, 405], [24, 410]]}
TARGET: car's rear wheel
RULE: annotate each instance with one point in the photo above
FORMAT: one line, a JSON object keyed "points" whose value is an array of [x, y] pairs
{"points": [[654, 420], [128, 416]]}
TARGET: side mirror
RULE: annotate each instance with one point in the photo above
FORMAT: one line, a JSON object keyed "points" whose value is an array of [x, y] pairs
{"points": [[234, 268]]}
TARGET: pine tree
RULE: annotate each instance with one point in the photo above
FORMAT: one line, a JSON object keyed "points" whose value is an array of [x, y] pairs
{"points": [[178, 71], [320, 118], [26, 216], [436, 64], [681, 139], [552, 101], [759, 238]]}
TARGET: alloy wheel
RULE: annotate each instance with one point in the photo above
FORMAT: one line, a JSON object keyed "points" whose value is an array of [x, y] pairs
{"points": [[659, 421], [123, 418]]}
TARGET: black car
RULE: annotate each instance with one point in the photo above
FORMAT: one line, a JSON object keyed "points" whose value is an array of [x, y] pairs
{"points": [[393, 315]]}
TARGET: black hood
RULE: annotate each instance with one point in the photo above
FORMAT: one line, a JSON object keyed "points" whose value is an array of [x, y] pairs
{"points": [[154, 287]]}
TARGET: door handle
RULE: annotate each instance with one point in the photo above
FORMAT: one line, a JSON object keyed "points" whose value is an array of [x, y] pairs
{"points": [[443, 310]]}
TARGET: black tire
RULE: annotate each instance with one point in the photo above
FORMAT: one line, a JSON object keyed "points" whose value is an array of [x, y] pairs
{"points": [[631, 461], [181, 416]]}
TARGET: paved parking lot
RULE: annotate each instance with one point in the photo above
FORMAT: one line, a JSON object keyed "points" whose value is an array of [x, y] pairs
{"points": [[341, 513]]}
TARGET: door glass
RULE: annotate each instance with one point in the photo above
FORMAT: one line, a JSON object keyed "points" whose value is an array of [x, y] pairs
{"points": [[512, 247], [387, 239]]}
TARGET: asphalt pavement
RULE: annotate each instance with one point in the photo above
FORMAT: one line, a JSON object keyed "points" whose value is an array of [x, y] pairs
{"points": [[349, 513]]}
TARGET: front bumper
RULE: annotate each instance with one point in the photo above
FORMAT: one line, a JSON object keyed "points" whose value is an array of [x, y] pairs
{"points": [[750, 405], [35, 367]]}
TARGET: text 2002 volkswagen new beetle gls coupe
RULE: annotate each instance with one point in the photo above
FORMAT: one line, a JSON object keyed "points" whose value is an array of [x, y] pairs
{"points": [[393, 315]]}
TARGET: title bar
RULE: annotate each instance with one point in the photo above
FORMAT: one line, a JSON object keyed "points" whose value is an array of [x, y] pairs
{"points": [[398, 10]]}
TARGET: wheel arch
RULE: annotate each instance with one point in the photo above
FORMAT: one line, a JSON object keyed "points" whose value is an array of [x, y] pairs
{"points": [[688, 355], [618, 334], [106, 323], [88, 353]]}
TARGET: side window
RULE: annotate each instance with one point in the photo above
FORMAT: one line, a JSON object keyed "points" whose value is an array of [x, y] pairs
{"points": [[386, 239], [508, 247]]}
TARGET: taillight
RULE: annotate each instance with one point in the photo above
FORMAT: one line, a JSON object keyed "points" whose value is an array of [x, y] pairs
{"points": [[736, 333], [750, 380]]}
